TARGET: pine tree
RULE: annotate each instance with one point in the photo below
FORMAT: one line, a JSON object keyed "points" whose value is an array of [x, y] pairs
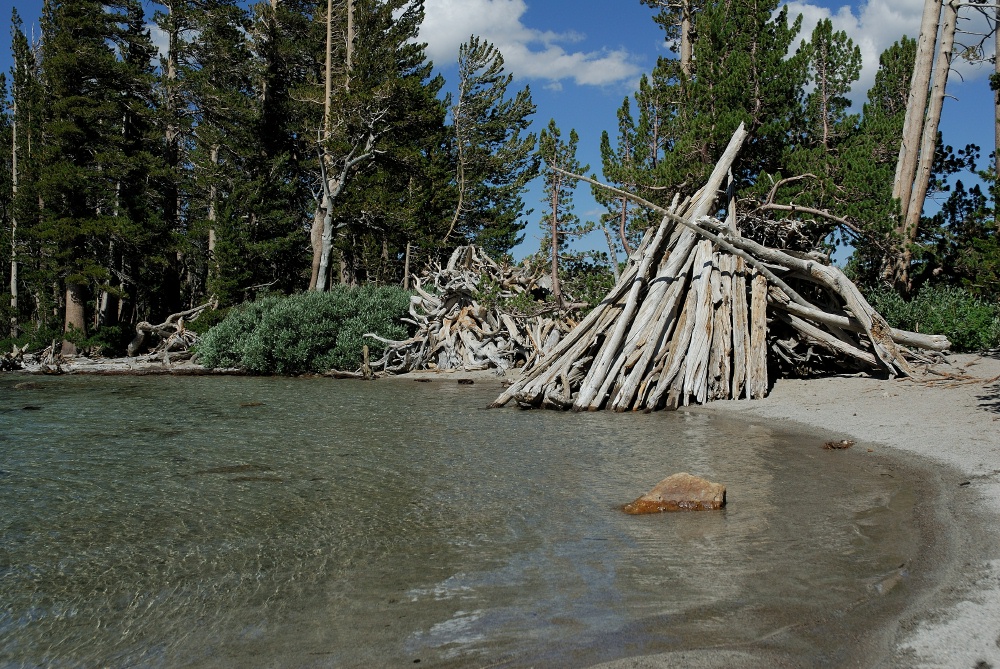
{"points": [[869, 157], [27, 113], [494, 157], [559, 221], [824, 128], [8, 222], [677, 18], [740, 73], [626, 165], [177, 21], [139, 242], [834, 66], [389, 127], [83, 132]]}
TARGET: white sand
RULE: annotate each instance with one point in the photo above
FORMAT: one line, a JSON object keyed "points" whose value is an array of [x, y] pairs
{"points": [[958, 623]]}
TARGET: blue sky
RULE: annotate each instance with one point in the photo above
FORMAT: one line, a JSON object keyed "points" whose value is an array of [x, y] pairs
{"points": [[582, 57]]}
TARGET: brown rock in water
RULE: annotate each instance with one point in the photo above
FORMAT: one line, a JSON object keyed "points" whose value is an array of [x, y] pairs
{"points": [[680, 492]]}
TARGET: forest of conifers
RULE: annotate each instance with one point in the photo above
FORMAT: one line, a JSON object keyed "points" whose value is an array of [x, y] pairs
{"points": [[294, 144]]}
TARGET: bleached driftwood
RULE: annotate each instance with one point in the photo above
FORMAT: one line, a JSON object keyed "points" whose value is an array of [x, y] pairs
{"points": [[460, 325], [173, 336], [697, 310]]}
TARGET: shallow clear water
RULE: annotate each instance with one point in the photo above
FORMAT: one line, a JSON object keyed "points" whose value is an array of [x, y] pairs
{"points": [[226, 521]]}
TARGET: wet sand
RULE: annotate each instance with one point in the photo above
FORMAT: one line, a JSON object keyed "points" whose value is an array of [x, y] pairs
{"points": [[953, 428]]}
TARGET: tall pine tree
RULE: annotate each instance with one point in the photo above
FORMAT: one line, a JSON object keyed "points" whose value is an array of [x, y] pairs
{"points": [[493, 152]]}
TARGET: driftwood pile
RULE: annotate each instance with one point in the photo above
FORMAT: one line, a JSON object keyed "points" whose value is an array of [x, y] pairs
{"points": [[14, 360], [172, 338], [696, 313], [462, 325]]}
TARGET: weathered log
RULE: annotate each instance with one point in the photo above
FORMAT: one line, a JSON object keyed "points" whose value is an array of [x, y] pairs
{"points": [[172, 332]]}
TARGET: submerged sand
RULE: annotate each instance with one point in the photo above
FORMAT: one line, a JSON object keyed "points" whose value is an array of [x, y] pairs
{"points": [[946, 423]]}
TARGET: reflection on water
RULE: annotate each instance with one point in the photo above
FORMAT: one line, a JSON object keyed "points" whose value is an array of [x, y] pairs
{"points": [[311, 523]]}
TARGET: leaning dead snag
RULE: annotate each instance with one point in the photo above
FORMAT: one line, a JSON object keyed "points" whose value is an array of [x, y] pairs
{"points": [[701, 313]]}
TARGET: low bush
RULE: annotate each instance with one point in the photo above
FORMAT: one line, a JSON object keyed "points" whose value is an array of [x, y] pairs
{"points": [[971, 323], [309, 332]]}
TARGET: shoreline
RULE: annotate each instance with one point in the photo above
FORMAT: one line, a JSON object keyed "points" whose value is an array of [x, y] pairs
{"points": [[929, 421]]}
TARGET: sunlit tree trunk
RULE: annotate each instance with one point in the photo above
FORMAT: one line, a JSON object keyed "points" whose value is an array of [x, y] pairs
{"points": [[916, 106], [927, 146], [687, 49], [556, 292], [14, 329], [75, 314]]}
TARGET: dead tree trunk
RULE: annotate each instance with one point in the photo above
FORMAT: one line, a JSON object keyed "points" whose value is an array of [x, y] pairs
{"points": [[916, 106], [13, 228], [928, 142]]}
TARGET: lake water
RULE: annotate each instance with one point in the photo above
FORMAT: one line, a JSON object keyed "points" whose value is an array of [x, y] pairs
{"points": [[228, 521]]}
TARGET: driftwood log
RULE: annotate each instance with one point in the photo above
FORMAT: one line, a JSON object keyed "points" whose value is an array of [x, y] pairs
{"points": [[696, 312], [462, 324], [173, 337]]}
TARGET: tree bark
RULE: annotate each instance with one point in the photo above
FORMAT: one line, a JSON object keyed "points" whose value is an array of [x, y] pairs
{"points": [[350, 44], [927, 144], [916, 106], [213, 194], [622, 222], [75, 314], [14, 329], [556, 292], [328, 83], [406, 268], [687, 49], [612, 254]]}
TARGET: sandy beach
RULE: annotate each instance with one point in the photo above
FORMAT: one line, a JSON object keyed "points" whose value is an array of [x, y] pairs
{"points": [[953, 424]]}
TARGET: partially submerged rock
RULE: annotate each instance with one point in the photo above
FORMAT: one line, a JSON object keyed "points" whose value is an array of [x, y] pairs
{"points": [[680, 492]]}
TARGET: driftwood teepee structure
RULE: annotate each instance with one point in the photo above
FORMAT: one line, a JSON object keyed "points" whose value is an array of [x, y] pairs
{"points": [[695, 312]]}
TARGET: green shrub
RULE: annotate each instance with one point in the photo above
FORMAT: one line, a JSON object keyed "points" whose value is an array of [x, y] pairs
{"points": [[971, 323], [309, 332]]}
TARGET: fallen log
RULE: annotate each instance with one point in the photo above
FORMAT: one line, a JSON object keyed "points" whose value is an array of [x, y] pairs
{"points": [[173, 336]]}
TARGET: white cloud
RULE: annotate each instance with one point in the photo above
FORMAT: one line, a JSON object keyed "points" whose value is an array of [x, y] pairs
{"points": [[879, 23], [527, 52]]}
